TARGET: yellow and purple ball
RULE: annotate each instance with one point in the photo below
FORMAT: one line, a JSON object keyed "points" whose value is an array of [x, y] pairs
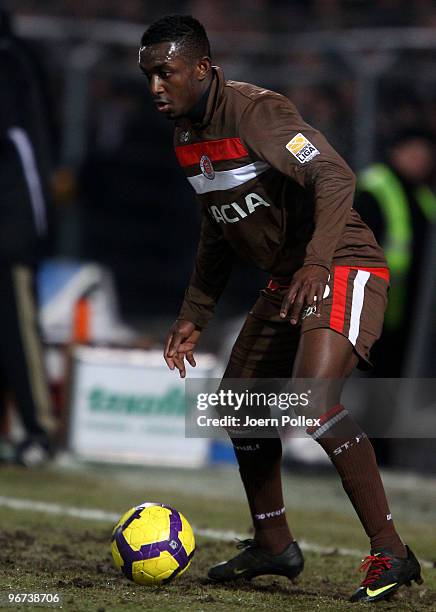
{"points": [[152, 544]]}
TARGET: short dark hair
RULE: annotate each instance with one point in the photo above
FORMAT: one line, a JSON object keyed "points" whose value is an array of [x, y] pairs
{"points": [[182, 29]]}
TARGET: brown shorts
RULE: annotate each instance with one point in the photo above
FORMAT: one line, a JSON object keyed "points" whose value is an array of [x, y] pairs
{"points": [[354, 304]]}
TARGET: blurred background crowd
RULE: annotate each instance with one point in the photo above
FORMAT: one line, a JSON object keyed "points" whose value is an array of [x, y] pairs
{"points": [[362, 72], [272, 15]]}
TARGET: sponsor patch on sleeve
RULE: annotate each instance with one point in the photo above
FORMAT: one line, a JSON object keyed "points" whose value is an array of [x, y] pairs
{"points": [[302, 149]]}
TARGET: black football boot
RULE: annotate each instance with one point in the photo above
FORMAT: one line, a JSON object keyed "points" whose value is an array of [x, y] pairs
{"points": [[254, 561], [386, 574]]}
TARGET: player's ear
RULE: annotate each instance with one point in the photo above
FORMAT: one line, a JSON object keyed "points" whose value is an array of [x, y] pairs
{"points": [[204, 66]]}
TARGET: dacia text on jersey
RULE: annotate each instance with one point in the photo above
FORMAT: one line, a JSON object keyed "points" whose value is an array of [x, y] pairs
{"points": [[232, 213]]}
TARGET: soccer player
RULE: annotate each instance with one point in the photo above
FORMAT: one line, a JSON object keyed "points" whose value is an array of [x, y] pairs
{"points": [[273, 191]]}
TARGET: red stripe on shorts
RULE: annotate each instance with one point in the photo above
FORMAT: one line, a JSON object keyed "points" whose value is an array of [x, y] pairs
{"points": [[340, 282], [381, 272], [216, 150]]}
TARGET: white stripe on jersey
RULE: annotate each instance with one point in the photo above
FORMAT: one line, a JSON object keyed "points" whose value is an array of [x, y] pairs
{"points": [[227, 179], [27, 156], [357, 304]]}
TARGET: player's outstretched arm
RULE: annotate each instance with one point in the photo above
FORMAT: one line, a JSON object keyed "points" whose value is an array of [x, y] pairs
{"points": [[180, 344]]}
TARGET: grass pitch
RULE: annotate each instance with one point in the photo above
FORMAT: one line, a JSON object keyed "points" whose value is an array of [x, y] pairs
{"points": [[41, 552]]}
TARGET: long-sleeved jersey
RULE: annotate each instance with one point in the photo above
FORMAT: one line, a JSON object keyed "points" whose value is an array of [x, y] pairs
{"points": [[272, 190]]}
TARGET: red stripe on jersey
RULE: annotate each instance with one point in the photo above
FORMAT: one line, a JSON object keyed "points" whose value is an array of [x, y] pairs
{"points": [[381, 272], [216, 150], [340, 282]]}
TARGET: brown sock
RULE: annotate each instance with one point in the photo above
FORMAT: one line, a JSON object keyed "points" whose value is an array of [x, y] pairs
{"points": [[260, 468], [353, 456]]}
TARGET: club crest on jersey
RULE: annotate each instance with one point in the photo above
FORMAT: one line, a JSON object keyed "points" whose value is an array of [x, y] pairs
{"points": [[207, 168], [302, 149]]}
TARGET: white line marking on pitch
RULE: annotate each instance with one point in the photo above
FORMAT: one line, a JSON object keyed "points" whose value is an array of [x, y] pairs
{"points": [[92, 514]]}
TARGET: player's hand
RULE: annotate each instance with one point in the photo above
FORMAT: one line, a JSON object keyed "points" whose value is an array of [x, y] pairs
{"points": [[306, 288], [180, 343]]}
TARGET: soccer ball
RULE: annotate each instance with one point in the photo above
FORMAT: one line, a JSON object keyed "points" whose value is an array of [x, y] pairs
{"points": [[152, 543]]}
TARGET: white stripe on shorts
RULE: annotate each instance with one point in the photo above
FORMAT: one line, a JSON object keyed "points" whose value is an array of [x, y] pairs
{"points": [[357, 304]]}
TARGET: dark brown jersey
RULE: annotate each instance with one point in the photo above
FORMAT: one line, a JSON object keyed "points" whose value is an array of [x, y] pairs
{"points": [[272, 190]]}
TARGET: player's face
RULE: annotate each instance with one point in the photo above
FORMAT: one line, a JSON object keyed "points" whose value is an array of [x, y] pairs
{"points": [[176, 82]]}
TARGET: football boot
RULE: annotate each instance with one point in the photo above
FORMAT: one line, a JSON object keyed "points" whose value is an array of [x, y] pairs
{"points": [[254, 561], [386, 574]]}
